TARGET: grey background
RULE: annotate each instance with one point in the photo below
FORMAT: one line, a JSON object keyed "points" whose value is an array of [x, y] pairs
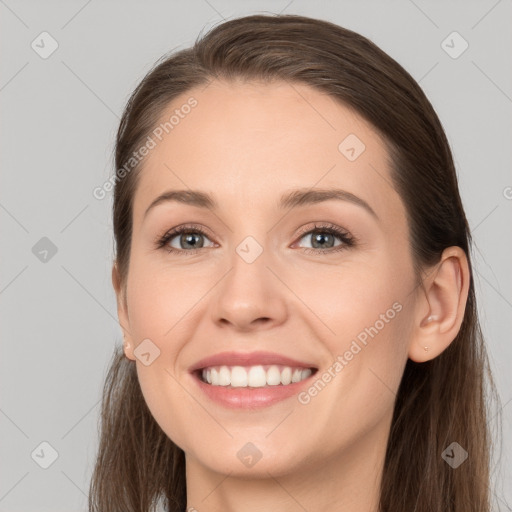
{"points": [[59, 116]]}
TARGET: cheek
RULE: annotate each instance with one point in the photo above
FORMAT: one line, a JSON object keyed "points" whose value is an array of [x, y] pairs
{"points": [[357, 299], [164, 396], [370, 357], [160, 302], [157, 309], [365, 326]]}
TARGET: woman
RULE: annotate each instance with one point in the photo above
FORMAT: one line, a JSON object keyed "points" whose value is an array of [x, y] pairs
{"points": [[260, 373]]}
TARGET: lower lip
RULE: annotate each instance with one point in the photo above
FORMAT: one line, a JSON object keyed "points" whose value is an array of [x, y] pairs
{"points": [[250, 398]]}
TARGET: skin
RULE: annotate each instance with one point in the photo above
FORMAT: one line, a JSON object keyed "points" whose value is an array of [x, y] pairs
{"points": [[246, 144]]}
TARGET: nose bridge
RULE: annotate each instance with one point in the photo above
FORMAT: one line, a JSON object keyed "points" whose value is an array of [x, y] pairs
{"points": [[249, 289], [249, 266], [249, 250]]}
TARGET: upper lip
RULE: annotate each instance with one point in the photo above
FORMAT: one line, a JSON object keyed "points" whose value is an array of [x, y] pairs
{"points": [[248, 359]]}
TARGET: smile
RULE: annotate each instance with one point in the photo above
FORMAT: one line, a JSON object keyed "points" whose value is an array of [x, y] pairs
{"points": [[252, 387], [257, 376]]}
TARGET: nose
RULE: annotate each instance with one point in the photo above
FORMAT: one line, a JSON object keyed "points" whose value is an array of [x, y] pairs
{"points": [[250, 296]]}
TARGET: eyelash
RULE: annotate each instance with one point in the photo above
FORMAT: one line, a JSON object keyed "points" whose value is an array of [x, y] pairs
{"points": [[347, 239]]}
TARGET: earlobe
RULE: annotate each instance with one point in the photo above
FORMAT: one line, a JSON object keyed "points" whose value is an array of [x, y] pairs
{"points": [[440, 309], [122, 313], [128, 349]]}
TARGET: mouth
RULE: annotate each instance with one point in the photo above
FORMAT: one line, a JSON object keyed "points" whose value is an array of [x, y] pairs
{"points": [[256, 376], [251, 380]]}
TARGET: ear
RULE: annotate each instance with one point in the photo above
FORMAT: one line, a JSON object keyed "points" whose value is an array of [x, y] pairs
{"points": [[440, 307], [122, 312]]}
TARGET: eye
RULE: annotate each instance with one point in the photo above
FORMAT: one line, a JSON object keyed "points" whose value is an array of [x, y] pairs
{"points": [[189, 239], [323, 237]]}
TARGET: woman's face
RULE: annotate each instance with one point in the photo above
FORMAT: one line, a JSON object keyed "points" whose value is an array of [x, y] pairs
{"points": [[264, 278]]}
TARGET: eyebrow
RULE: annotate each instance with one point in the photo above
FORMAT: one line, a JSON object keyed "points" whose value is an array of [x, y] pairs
{"points": [[291, 199]]}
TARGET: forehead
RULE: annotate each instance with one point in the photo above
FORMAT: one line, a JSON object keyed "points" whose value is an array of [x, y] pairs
{"points": [[249, 142]]}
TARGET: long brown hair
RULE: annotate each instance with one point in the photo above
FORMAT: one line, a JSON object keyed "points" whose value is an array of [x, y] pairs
{"points": [[439, 401]]}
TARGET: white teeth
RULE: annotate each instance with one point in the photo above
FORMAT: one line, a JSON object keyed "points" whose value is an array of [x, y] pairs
{"points": [[306, 373], [254, 376], [224, 376], [286, 376], [273, 376], [257, 377], [239, 377]]}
